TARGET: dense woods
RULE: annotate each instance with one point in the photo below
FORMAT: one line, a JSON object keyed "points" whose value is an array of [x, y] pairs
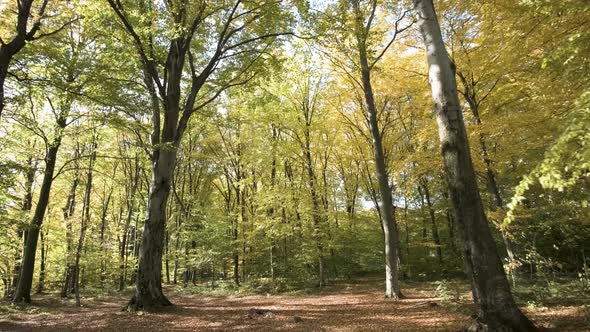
{"points": [[276, 146]]}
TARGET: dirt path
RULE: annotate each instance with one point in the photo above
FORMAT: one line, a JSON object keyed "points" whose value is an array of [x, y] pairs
{"points": [[353, 307]]}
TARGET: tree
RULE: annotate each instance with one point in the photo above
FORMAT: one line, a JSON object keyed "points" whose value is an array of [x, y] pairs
{"points": [[231, 38], [362, 14], [68, 56], [490, 287]]}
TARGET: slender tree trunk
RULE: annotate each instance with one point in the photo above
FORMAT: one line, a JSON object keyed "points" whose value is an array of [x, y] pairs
{"points": [[241, 197], [68, 212], [130, 209], [270, 212], [235, 237], [41, 284], [103, 245], [407, 229], [85, 218], [434, 227], [27, 205], [4, 62], [491, 290], [388, 222], [317, 215], [167, 257], [23, 289]]}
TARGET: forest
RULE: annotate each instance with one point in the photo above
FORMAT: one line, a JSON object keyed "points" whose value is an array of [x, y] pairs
{"points": [[305, 165]]}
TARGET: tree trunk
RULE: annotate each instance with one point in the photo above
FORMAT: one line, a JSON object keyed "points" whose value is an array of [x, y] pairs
{"points": [[130, 208], [167, 257], [3, 73], [85, 219], [27, 205], [41, 284], [434, 227], [148, 287], [23, 289], [317, 217], [103, 245], [68, 212], [389, 225], [490, 287]]}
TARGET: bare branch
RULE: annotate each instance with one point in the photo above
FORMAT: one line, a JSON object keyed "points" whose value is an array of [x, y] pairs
{"points": [[396, 32]]}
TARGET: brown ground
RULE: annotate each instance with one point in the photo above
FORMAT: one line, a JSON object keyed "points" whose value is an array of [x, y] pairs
{"points": [[348, 307]]}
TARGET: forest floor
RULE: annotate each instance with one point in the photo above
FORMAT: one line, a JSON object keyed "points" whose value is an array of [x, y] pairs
{"points": [[356, 306]]}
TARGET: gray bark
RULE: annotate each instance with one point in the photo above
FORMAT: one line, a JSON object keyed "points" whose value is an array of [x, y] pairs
{"points": [[389, 224], [134, 177], [85, 219], [490, 287], [148, 290], [307, 110], [103, 245], [42, 270], [68, 212], [434, 227]]}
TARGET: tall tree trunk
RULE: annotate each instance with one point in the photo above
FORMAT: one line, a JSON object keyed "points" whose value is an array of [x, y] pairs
{"points": [[103, 244], [434, 227], [68, 212], [241, 201], [270, 212], [85, 218], [134, 177], [23, 289], [167, 257], [42, 273], [388, 222], [491, 290], [317, 215], [4, 62]]}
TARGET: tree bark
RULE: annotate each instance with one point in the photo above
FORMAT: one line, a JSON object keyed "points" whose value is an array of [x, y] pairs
{"points": [[490, 287], [389, 224], [148, 291], [26, 208], [165, 82], [42, 273], [85, 218], [68, 212], [434, 227], [103, 245], [167, 237], [311, 183], [134, 177], [23, 289]]}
